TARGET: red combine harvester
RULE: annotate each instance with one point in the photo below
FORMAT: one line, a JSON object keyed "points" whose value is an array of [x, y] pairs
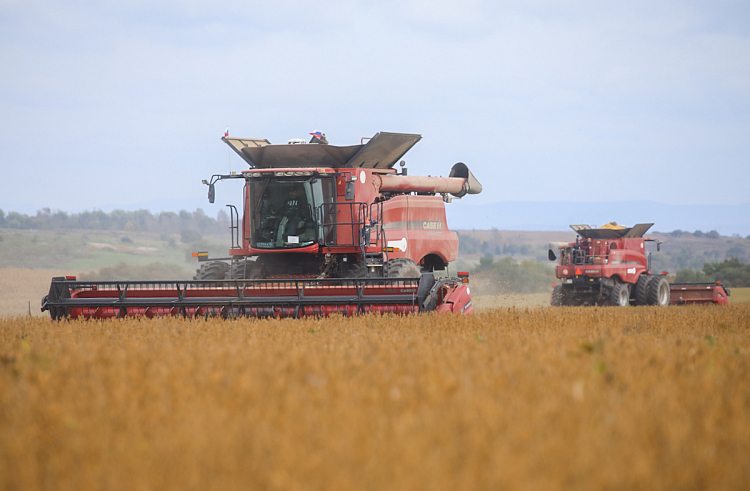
{"points": [[325, 230], [609, 266]]}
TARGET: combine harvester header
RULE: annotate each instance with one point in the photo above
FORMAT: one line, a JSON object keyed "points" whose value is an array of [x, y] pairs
{"points": [[323, 230], [256, 298]]}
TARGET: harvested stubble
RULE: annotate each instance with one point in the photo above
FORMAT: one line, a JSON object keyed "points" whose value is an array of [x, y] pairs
{"points": [[570, 398]]}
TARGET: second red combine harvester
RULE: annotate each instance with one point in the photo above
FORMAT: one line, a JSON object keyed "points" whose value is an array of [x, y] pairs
{"points": [[609, 266], [323, 229]]}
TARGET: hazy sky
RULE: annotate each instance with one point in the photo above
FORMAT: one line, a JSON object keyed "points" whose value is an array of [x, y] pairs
{"points": [[122, 104]]}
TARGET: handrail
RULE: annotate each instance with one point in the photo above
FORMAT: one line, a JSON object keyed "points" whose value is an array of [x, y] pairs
{"points": [[234, 226]]}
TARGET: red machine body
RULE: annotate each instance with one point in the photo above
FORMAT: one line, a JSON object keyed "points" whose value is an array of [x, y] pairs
{"points": [[323, 230], [353, 213], [404, 225], [606, 265], [610, 266]]}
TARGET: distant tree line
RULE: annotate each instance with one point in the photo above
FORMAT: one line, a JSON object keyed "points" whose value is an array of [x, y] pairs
{"points": [[165, 222], [713, 234], [730, 271]]}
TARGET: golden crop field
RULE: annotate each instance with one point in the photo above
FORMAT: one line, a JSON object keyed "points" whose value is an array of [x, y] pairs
{"points": [[538, 398]]}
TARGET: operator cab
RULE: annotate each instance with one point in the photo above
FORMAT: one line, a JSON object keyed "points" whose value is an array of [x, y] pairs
{"points": [[288, 212]]}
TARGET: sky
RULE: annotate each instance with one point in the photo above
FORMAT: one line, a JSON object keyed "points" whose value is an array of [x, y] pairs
{"points": [[122, 104]]}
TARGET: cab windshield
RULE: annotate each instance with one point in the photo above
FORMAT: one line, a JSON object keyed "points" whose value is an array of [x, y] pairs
{"points": [[285, 214]]}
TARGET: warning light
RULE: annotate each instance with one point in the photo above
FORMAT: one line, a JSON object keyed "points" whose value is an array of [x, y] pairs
{"points": [[464, 278]]}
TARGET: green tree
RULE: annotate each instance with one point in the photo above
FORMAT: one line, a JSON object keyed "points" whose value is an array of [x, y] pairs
{"points": [[730, 271], [690, 275], [485, 263]]}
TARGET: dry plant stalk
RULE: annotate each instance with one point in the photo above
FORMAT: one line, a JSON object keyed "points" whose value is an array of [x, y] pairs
{"points": [[570, 398]]}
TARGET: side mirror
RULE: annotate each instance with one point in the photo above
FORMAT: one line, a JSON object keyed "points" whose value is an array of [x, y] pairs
{"points": [[349, 192], [211, 193], [658, 246]]}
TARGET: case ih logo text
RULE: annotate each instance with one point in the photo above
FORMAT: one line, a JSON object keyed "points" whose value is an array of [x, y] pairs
{"points": [[432, 225], [592, 270]]}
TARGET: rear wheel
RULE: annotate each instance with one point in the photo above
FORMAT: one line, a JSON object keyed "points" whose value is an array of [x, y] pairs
{"points": [[214, 270], [658, 291], [620, 295], [641, 289], [558, 296]]}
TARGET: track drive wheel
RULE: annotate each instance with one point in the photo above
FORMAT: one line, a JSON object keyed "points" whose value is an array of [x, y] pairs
{"points": [[658, 291], [641, 289], [620, 295], [214, 270], [402, 268]]}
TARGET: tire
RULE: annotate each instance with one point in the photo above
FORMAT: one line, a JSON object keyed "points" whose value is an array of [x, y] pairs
{"points": [[356, 270], [641, 289], [620, 295], [402, 268], [558, 296], [214, 270], [658, 291], [242, 270]]}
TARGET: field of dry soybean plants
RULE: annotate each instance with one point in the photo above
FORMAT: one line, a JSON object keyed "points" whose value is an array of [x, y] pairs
{"points": [[538, 398]]}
